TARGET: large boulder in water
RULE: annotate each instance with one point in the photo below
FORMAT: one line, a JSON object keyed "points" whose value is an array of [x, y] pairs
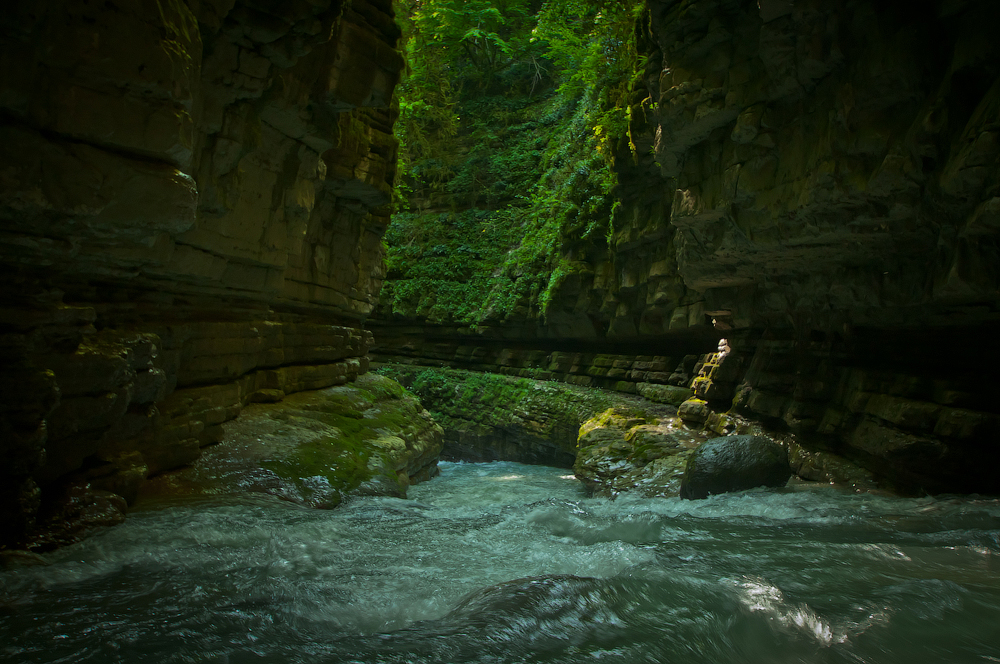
{"points": [[734, 463], [625, 450]]}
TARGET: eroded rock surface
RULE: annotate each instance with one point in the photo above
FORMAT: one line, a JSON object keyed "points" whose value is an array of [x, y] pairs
{"points": [[316, 448], [192, 199], [626, 449], [734, 463]]}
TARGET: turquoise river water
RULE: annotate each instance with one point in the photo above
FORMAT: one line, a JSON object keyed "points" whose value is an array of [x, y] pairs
{"points": [[502, 562]]}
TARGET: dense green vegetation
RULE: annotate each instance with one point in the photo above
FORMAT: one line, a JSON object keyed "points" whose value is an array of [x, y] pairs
{"points": [[532, 409], [512, 114]]}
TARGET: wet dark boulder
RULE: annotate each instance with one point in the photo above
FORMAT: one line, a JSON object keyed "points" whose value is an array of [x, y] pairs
{"points": [[734, 463]]}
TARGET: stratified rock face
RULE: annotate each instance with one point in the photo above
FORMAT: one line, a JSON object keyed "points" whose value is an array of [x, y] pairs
{"points": [[833, 161], [192, 199], [835, 172], [205, 153], [734, 463], [819, 181]]}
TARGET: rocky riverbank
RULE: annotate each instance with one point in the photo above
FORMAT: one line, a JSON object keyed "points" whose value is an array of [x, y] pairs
{"points": [[615, 442], [315, 448]]}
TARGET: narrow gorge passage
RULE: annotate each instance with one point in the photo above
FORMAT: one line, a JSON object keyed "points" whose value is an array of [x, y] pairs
{"points": [[274, 274], [503, 562]]}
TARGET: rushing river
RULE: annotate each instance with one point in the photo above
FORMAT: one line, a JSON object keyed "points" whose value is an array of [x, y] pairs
{"points": [[503, 562]]}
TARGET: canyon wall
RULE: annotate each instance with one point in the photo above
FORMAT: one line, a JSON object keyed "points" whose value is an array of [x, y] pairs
{"points": [[192, 201], [835, 173], [818, 182], [193, 197]]}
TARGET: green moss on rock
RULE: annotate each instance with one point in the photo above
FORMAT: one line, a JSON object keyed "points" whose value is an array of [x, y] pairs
{"points": [[628, 449], [325, 469], [489, 416], [371, 437]]}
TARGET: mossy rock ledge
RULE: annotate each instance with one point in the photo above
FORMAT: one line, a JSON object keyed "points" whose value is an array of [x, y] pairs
{"points": [[489, 417], [614, 442], [370, 437]]}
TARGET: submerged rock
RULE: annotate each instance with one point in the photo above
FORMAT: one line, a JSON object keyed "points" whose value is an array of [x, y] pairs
{"points": [[734, 463]]}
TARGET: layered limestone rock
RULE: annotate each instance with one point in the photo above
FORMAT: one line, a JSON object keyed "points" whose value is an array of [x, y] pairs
{"points": [[836, 163], [832, 168], [192, 199], [657, 377], [816, 182]]}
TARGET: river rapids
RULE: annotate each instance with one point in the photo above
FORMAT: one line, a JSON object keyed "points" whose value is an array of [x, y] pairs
{"points": [[503, 562]]}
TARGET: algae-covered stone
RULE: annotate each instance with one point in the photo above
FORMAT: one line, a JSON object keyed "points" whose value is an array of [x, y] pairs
{"points": [[695, 411], [371, 438], [735, 463], [488, 417], [624, 450]]}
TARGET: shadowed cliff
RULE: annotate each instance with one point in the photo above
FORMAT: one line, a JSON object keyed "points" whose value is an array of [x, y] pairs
{"points": [[191, 206]]}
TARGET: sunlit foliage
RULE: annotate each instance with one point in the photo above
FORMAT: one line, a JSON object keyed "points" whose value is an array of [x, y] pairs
{"points": [[512, 115]]}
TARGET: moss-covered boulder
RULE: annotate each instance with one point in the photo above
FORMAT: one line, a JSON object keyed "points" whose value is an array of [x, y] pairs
{"points": [[625, 449], [735, 463], [694, 411], [490, 417], [371, 437]]}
